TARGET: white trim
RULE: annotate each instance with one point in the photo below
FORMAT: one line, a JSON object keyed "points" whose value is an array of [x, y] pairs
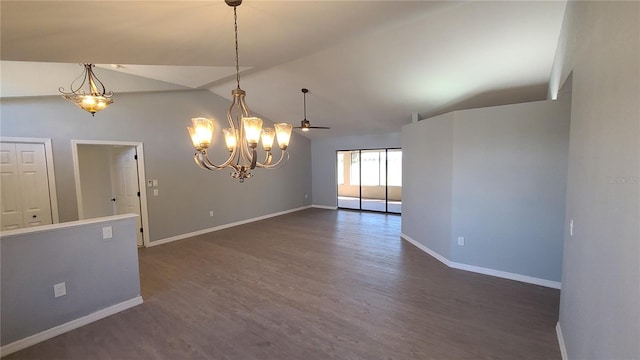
{"points": [[223, 226], [142, 182], [506, 275], [436, 255], [325, 207], [68, 326], [482, 270], [51, 176], [563, 348], [64, 225]]}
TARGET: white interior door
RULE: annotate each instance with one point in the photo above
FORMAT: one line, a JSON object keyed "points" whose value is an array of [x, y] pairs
{"points": [[124, 181], [25, 186], [11, 204]]}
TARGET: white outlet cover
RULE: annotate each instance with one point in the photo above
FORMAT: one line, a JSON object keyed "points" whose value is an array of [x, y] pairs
{"points": [[155, 182], [461, 240], [155, 192], [107, 232], [59, 289]]}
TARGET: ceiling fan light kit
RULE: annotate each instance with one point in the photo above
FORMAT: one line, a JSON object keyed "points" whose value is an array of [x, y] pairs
{"points": [[243, 134], [305, 125]]}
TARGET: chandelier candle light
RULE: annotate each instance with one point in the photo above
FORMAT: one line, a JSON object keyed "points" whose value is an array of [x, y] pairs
{"points": [[97, 98], [243, 134]]}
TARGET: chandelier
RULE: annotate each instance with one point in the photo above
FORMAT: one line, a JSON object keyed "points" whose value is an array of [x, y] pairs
{"points": [[96, 99], [242, 135]]}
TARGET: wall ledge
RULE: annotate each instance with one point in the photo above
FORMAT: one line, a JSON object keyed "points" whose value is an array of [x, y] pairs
{"points": [[66, 327], [64, 225], [482, 270], [223, 226]]}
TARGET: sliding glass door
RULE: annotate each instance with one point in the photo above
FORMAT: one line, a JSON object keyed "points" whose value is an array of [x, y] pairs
{"points": [[370, 179]]}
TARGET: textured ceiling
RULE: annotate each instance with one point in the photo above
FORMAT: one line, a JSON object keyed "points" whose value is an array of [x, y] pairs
{"points": [[368, 64]]}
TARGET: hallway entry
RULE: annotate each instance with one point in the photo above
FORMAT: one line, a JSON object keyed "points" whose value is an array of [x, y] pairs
{"points": [[110, 181]]}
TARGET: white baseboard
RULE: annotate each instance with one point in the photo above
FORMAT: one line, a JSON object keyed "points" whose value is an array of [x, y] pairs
{"points": [[223, 226], [434, 254], [563, 348], [325, 207], [482, 270], [66, 327]]}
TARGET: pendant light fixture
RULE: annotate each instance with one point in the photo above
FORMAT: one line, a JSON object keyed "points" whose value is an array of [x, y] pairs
{"points": [[97, 98], [243, 134]]}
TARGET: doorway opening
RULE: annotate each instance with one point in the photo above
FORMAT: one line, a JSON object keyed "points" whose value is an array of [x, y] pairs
{"points": [[370, 180], [110, 180]]}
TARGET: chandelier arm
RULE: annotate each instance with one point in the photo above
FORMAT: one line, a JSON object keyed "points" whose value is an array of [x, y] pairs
{"points": [[93, 80], [78, 90], [202, 159], [284, 157], [230, 112]]}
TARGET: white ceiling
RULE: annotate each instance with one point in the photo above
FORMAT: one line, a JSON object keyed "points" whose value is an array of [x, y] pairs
{"points": [[368, 64]]}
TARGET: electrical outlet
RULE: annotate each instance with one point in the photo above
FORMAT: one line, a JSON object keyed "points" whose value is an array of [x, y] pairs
{"points": [[59, 289], [155, 192], [155, 182], [107, 232], [306, 196], [461, 240], [211, 213]]}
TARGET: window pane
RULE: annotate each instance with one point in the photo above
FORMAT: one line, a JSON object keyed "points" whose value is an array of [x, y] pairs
{"points": [[370, 168], [394, 162], [383, 168], [340, 168], [354, 178]]}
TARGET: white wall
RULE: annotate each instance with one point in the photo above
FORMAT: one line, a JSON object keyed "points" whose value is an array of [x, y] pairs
{"points": [[495, 176], [600, 299], [159, 120]]}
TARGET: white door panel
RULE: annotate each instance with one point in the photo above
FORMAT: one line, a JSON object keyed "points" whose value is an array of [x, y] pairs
{"points": [[124, 179], [11, 209], [35, 188]]}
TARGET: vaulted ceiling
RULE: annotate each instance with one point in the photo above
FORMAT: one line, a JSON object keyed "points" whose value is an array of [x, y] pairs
{"points": [[368, 64]]}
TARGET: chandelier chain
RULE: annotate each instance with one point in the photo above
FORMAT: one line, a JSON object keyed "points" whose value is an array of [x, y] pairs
{"points": [[235, 23]]}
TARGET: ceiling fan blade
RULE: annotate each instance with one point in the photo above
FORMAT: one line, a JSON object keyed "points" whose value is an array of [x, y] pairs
{"points": [[319, 127]]}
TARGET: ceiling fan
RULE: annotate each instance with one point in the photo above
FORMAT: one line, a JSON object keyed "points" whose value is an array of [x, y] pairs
{"points": [[305, 125]]}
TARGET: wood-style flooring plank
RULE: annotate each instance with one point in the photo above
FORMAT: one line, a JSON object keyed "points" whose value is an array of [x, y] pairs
{"points": [[315, 284]]}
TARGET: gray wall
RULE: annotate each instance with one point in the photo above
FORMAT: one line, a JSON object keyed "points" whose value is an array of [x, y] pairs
{"points": [[323, 160], [427, 172], [95, 177], [509, 184], [159, 120], [98, 273], [495, 176], [600, 299]]}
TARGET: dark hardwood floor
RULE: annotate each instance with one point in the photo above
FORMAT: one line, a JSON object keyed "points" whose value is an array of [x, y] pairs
{"points": [[315, 284]]}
